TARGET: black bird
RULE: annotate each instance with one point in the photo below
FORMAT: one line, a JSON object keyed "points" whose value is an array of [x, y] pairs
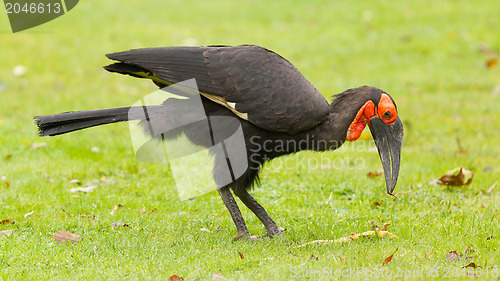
{"points": [[271, 101]]}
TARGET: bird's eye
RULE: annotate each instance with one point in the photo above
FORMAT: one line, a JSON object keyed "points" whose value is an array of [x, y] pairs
{"points": [[387, 115]]}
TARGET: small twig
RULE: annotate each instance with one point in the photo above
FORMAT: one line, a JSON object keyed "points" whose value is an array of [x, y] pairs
{"points": [[399, 193], [491, 188]]}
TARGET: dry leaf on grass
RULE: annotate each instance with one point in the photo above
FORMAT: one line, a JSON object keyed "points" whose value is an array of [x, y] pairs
{"points": [[381, 233], [64, 236], [455, 256], [115, 208], [313, 257], [117, 224], [457, 177], [241, 255], [471, 264], [83, 189], [152, 211], [175, 278], [376, 174], [5, 222], [5, 233], [389, 258], [452, 256], [491, 63], [74, 181], [39, 145]]}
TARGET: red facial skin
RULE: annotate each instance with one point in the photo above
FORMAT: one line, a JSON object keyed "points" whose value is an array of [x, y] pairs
{"points": [[385, 110]]}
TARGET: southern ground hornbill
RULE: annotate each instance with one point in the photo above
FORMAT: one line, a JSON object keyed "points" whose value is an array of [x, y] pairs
{"points": [[269, 97]]}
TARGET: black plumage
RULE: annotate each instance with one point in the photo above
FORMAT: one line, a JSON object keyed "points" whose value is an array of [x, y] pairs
{"points": [[264, 92]]}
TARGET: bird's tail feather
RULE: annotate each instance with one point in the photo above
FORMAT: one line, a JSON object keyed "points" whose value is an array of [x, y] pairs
{"points": [[56, 124]]}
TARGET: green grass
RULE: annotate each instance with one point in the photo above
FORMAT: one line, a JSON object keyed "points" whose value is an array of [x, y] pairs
{"points": [[426, 54]]}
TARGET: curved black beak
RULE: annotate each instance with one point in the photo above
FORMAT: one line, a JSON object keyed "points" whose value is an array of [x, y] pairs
{"points": [[388, 139]]}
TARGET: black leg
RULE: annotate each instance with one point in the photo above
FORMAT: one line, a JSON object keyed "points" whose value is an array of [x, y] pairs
{"points": [[233, 209], [271, 227]]}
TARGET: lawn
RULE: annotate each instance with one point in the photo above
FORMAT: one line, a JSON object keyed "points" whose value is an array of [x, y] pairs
{"points": [[437, 59]]}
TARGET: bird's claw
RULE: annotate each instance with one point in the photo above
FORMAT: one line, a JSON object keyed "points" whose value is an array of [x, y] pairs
{"points": [[269, 234]]}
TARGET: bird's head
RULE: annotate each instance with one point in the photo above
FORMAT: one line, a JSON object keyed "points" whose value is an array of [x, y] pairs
{"points": [[378, 110]]}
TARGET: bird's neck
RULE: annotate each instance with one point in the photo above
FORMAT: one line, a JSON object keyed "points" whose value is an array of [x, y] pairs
{"points": [[332, 132]]}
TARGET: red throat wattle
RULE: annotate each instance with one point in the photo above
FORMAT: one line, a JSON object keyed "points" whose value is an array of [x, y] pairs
{"points": [[358, 125], [385, 110]]}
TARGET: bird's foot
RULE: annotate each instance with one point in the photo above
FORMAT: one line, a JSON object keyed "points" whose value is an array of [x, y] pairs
{"points": [[278, 232], [242, 235]]}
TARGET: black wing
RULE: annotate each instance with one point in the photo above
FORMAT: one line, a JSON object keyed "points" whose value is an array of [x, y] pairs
{"points": [[260, 85]]}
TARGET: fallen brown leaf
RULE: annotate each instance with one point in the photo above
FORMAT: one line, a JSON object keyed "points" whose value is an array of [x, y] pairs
{"points": [[471, 264], [39, 145], [375, 174], [64, 236], [452, 256], [83, 189], [389, 258], [76, 181], [5, 233], [385, 226], [115, 208], [313, 257], [152, 211], [457, 177], [469, 250], [241, 255], [117, 224], [5, 222], [492, 63], [491, 187], [175, 278]]}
